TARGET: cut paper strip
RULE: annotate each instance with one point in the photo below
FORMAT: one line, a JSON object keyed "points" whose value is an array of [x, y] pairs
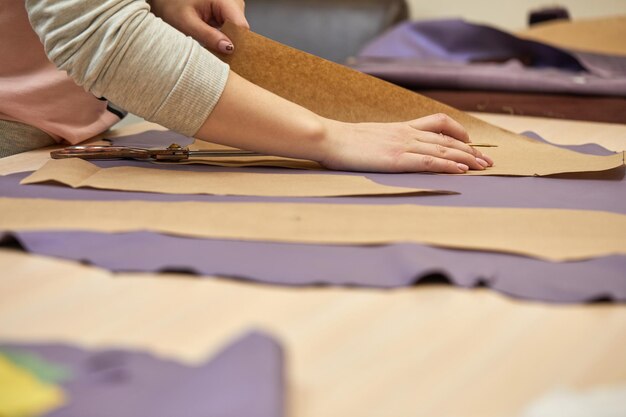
{"points": [[22, 394], [340, 93], [245, 379], [604, 35], [389, 266], [78, 174], [557, 235]]}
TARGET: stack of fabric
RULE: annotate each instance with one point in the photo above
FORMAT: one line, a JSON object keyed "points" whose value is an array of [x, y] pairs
{"points": [[480, 68]]}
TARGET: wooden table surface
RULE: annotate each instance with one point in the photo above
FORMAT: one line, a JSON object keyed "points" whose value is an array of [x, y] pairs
{"points": [[429, 350]]}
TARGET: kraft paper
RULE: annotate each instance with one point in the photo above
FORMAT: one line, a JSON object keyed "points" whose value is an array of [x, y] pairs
{"points": [[605, 35], [340, 93], [78, 173], [552, 234]]}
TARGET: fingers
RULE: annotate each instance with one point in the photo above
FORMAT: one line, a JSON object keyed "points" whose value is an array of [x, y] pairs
{"points": [[448, 142], [442, 152], [412, 162], [441, 123], [207, 35], [210, 36]]}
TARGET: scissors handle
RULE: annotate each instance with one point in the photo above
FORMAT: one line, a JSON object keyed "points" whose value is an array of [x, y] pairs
{"points": [[172, 153]]}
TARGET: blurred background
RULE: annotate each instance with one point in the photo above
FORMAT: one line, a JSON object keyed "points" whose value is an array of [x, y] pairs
{"points": [[337, 29], [511, 14]]}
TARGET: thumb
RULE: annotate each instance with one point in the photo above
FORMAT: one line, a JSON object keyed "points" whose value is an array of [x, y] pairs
{"points": [[234, 14]]}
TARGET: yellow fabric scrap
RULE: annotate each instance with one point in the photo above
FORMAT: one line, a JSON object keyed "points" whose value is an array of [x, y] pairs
{"points": [[23, 395]]}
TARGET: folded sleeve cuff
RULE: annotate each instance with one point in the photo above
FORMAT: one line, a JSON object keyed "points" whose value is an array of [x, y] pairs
{"points": [[195, 94]]}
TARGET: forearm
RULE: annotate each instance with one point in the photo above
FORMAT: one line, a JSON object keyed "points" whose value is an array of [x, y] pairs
{"points": [[250, 117]]}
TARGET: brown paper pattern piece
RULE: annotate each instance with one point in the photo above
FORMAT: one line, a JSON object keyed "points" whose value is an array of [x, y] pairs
{"points": [[340, 93], [552, 234], [78, 173]]}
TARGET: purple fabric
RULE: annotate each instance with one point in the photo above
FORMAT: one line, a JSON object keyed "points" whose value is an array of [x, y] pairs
{"points": [[380, 266], [388, 266], [455, 54], [458, 41], [245, 379]]}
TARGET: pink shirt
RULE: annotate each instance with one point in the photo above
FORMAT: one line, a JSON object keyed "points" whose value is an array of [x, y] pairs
{"points": [[33, 91]]}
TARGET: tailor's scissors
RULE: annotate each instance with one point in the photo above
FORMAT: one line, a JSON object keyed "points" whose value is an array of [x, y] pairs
{"points": [[172, 153]]}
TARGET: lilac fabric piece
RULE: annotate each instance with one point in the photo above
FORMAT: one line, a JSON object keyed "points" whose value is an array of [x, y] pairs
{"points": [[458, 41], [152, 139], [380, 266], [245, 379], [456, 54], [388, 266]]}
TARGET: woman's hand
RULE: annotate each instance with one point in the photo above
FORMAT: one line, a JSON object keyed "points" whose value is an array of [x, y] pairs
{"points": [[434, 143], [201, 19]]}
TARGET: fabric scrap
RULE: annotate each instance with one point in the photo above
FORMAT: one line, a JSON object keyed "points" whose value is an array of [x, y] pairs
{"points": [[244, 379], [23, 394]]}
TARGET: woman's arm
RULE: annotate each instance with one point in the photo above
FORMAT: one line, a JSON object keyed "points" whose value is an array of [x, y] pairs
{"points": [[250, 117], [118, 49]]}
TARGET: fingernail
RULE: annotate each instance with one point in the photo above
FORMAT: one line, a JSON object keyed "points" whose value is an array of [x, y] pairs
{"points": [[462, 167], [488, 159], [484, 163], [225, 47]]}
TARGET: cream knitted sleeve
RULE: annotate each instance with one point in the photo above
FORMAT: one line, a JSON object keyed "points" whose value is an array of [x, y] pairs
{"points": [[119, 50]]}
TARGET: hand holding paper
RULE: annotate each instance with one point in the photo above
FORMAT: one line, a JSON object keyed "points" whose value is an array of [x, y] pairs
{"points": [[201, 19]]}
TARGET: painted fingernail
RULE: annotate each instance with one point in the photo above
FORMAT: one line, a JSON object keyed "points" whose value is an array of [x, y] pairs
{"points": [[225, 47], [484, 163], [462, 167]]}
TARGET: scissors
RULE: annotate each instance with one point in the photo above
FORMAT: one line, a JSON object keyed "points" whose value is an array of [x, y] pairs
{"points": [[172, 153]]}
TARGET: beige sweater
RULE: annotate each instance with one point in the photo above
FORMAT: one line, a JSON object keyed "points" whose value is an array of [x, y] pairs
{"points": [[112, 48]]}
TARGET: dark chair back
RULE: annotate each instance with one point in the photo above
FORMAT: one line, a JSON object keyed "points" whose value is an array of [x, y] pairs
{"points": [[331, 29]]}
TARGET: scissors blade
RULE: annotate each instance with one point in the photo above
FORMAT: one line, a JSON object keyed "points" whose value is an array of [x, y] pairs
{"points": [[482, 145], [222, 153]]}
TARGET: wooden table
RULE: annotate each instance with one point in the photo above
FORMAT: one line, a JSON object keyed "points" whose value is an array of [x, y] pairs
{"points": [[430, 350]]}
